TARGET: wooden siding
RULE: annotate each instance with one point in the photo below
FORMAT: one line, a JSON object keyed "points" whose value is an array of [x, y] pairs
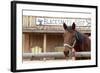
{"points": [[53, 41], [29, 21], [29, 24], [32, 40], [36, 40], [25, 43]]}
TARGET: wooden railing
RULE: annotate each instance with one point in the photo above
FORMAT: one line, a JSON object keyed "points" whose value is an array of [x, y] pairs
{"points": [[55, 55]]}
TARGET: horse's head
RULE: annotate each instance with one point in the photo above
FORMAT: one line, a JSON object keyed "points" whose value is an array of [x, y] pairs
{"points": [[69, 38]]}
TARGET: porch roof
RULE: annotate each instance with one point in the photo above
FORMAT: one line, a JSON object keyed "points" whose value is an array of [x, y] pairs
{"points": [[53, 29]]}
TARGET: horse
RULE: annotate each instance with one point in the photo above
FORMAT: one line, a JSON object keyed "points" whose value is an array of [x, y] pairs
{"points": [[74, 39]]}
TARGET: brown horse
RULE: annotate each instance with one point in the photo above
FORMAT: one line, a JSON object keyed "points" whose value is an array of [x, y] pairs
{"points": [[74, 39]]}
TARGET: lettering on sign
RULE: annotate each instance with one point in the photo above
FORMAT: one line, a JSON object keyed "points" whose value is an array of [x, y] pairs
{"points": [[60, 21]]}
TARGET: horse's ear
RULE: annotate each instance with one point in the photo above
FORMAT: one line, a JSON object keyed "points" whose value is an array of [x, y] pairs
{"points": [[64, 26], [73, 26]]}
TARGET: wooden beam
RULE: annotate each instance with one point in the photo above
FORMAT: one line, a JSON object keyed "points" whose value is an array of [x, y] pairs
{"points": [[56, 54], [35, 30]]}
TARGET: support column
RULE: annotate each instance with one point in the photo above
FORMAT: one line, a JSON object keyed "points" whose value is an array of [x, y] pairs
{"points": [[26, 45], [44, 42]]}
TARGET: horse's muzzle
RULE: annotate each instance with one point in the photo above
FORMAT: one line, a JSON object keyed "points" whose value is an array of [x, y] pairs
{"points": [[66, 53]]}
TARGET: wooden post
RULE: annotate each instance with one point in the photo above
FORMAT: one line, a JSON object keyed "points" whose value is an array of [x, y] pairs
{"points": [[44, 43], [26, 46]]}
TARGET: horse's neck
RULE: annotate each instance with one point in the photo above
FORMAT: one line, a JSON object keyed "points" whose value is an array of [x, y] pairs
{"points": [[79, 41], [78, 46], [83, 43]]}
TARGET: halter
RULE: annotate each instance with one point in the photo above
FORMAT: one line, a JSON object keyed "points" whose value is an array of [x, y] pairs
{"points": [[70, 45]]}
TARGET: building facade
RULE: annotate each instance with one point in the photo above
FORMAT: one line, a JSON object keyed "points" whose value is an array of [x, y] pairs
{"points": [[45, 34]]}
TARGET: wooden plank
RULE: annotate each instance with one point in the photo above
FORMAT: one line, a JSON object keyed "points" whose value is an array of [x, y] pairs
{"points": [[35, 30], [25, 21], [83, 54]]}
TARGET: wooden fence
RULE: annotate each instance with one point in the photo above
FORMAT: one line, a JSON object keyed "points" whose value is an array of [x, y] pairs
{"points": [[55, 55]]}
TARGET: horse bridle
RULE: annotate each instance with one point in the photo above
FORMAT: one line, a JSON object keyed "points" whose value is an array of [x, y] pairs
{"points": [[70, 46], [71, 53]]}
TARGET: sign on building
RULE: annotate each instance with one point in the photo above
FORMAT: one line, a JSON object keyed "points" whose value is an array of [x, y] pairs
{"points": [[60, 21]]}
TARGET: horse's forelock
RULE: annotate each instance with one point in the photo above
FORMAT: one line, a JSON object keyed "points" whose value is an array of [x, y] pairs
{"points": [[69, 28]]}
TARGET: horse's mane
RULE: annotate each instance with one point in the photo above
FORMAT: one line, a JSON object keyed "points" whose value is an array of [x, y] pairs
{"points": [[79, 37]]}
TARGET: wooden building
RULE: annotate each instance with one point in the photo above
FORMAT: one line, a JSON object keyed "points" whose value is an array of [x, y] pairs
{"points": [[41, 35]]}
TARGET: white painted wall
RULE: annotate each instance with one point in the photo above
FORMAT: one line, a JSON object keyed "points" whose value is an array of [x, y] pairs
{"points": [[5, 36]]}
